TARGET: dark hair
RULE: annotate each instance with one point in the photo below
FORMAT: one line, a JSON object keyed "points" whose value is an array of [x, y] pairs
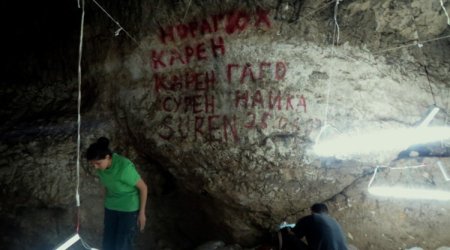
{"points": [[319, 208], [98, 150]]}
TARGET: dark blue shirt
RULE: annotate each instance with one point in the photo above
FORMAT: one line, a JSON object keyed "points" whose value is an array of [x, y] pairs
{"points": [[321, 231]]}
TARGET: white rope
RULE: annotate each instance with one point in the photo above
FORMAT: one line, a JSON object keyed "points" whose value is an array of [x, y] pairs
{"points": [[373, 177], [439, 163], [424, 63], [318, 9], [407, 167], [336, 23], [77, 192], [337, 41], [327, 105], [80, 50], [444, 173], [392, 168]]}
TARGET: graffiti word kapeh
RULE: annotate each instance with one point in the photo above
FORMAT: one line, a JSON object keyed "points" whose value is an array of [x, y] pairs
{"points": [[184, 81], [202, 51]]}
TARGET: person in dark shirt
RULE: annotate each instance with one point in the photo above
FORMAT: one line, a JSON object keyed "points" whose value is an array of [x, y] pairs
{"points": [[288, 241], [322, 232]]}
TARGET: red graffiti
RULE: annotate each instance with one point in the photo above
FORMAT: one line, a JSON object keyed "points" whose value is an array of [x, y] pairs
{"points": [[188, 80], [286, 123], [211, 128], [251, 73], [269, 101], [255, 123], [232, 22], [189, 104], [261, 121], [162, 59]]}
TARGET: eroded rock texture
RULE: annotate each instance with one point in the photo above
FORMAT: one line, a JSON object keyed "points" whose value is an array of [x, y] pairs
{"points": [[220, 104]]}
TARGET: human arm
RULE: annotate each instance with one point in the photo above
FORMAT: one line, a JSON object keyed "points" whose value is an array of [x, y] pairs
{"points": [[300, 227], [142, 187]]}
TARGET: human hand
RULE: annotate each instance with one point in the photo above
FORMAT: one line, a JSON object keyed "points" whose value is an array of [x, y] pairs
{"points": [[141, 221]]}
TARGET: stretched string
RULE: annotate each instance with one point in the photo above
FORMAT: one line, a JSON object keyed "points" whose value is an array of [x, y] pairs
{"points": [[120, 28], [438, 163], [429, 85], [448, 102], [336, 24], [373, 176], [393, 168], [80, 53], [116, 22], [187, 10], [444, 173], [408, 167], [327, 105], [318, 9], [419, 44], [337, 41]]}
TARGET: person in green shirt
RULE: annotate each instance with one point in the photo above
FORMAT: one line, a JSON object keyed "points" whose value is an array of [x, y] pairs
{"points": [[125, 199]]}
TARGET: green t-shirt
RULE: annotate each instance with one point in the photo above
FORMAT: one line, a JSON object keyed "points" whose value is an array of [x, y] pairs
{"points": [[120, 181]]}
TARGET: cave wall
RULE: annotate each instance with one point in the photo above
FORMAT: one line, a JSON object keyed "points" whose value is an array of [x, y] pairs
{"points": [[220, 104]]}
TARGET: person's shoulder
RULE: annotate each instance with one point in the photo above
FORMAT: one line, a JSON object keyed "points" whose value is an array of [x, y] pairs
{"points": [[321, 215], [305, 218], [122, 160]]}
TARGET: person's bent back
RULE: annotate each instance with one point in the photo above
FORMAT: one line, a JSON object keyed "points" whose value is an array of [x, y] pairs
{"points": [[322, 232]]}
